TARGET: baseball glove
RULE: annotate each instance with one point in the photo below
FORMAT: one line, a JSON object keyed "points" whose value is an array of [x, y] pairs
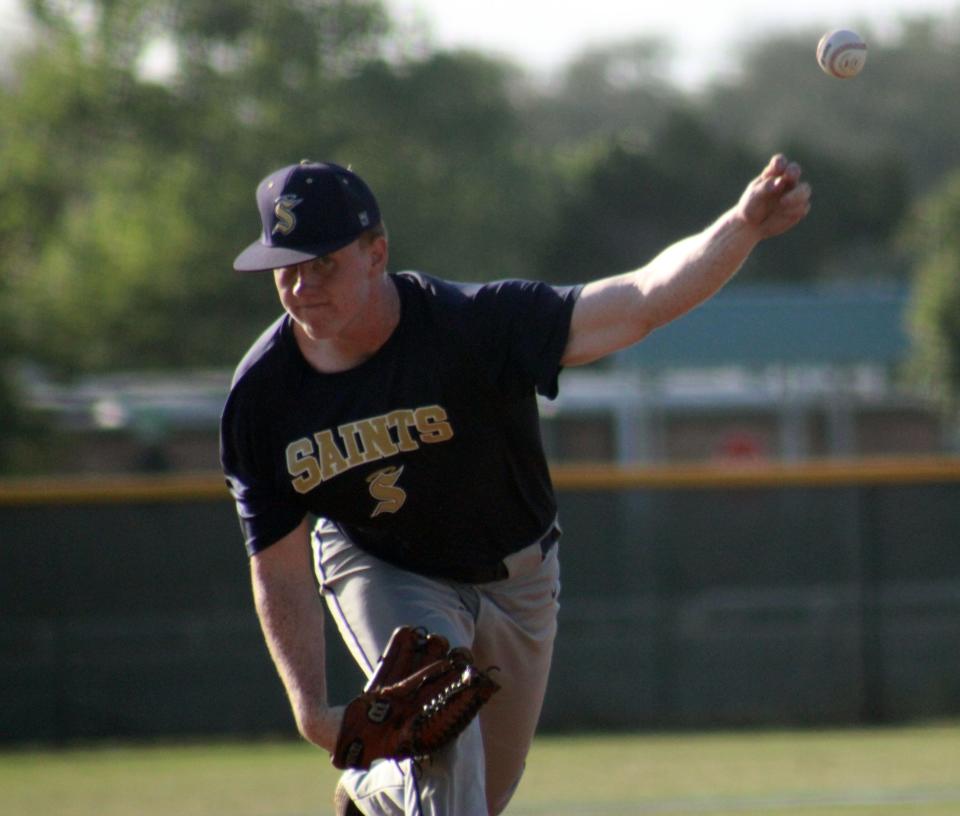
{"points": [[421, 696]]}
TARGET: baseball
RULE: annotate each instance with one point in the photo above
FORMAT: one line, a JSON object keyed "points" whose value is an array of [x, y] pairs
{"points": [[841, 53]]}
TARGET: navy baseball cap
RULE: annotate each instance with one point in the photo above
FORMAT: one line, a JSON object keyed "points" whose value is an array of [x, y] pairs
{"points": [[308, 210]]}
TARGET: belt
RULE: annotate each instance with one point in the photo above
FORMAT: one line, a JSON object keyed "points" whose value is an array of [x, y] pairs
{"points": [[487, 573]]}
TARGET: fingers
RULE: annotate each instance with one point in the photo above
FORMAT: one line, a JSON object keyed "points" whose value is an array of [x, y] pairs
{"points": [[788, 210], [777, 199], [788, 192], [800, 192], [798, 199], [781, 188], [775, 167], [791, 174], [785, 175], [780, 167]]}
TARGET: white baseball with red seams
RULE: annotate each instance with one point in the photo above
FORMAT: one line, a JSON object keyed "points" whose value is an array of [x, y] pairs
{"points": [[841, 53]]}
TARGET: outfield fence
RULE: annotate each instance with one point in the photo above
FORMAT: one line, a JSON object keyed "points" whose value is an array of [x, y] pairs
{"points": [[693, 596]]}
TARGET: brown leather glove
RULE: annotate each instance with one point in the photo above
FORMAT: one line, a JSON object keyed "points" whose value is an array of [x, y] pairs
{"points": [[421, 696]]}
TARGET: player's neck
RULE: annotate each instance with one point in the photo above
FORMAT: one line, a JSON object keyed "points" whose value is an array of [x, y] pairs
{"points": [[356, 342]]}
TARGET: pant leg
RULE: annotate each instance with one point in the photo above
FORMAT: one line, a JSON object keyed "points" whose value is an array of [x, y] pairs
{"points": [[516, 628], [445, 785], [368, 599]]}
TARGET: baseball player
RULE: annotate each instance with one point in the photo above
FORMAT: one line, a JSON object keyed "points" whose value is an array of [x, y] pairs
{"points": [[381, 442]]}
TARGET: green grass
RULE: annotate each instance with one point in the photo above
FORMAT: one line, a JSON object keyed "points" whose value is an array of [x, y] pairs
{"points": [[851, 772]]}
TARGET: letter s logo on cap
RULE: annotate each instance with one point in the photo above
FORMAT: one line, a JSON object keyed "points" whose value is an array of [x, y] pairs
{"points": [[283, 210]]}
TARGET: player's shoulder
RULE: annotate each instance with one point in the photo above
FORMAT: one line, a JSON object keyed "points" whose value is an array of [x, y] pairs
{"points": [[464, 295], [434, 289], [256, 363]]}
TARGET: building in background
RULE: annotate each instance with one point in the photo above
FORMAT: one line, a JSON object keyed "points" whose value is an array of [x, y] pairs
{"points": [[774, 373]]}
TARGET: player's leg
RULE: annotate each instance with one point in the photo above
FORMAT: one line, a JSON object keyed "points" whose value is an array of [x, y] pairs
{"points": [[516, 627], [368, 599], [445, 784]]}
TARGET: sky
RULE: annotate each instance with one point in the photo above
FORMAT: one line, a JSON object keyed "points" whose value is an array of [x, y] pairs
{"points": [[544, 34]]}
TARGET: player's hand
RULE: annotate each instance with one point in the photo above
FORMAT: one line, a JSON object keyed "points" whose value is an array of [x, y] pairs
{"points": [[776, 200], [421, 696]]}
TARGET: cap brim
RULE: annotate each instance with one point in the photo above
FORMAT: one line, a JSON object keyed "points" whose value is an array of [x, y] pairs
{"points": [[258, 257]]}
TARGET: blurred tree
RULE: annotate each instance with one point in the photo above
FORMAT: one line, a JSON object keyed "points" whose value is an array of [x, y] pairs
{"points": [[933, 233], [624, 204], [95, 207], [128, 188], [11, 413], [22, 431], [13, 423], [897, 107], [619, 90], [464, 194], [144, 189], [851, 231], [126, 281]]}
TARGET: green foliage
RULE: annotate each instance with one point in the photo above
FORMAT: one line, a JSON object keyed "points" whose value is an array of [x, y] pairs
{"points": [[900, 106], [125, 198], [617, 91], [851, 231], [122, 272], [12, 419], [629, 203], [934, 234], [440, 141], [624, 204]]}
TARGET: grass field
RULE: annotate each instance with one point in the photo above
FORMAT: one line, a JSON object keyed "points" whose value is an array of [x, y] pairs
{"points": [[850, 772]]}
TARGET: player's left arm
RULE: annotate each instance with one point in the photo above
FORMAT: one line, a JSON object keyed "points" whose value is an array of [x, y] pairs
{"points": [[292, 619], [618, 311]]}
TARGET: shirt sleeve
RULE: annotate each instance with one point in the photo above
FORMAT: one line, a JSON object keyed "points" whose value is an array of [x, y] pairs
{"points": [[265, 509], [527, 327]]}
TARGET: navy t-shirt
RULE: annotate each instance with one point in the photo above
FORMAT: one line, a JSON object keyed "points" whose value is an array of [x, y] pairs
{"points": [[428, 454]]}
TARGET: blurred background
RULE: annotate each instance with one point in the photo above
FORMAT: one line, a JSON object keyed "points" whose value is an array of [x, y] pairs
{"points": [[763, 494], [135, 132]]}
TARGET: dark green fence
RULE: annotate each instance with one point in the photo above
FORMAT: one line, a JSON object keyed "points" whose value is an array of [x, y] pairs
{"points": [[820, 594]]}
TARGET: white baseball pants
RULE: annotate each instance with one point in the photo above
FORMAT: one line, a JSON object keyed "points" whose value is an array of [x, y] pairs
{"points": [[510, 624]]}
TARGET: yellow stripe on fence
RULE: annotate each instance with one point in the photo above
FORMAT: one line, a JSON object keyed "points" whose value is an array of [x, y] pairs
{"points": [[713, 475], [600, 476], [113, 489]]}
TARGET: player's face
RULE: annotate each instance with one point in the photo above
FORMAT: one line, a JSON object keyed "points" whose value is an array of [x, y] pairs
{"points": [[326, 296]]}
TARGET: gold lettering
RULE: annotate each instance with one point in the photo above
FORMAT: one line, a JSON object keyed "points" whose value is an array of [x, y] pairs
{"points": [[402, 420], [432, 424], [349, 435], [377, 442], [330, 453], [303, 466], [331, 459]]}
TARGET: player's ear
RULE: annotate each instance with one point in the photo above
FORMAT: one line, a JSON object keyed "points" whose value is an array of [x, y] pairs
{"points": [[379, 252]]}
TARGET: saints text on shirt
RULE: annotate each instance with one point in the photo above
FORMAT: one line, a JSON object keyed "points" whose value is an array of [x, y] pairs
{"points": [[330, 452]]}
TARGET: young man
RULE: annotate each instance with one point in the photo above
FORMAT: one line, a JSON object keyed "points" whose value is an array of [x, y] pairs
{"points": [[381, 439]]}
